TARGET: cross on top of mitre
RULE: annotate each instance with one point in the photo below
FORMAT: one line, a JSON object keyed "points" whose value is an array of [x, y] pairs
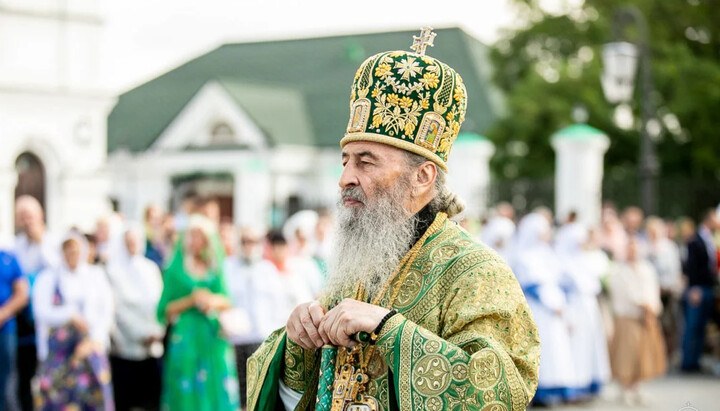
{"points": [[425, 39]]}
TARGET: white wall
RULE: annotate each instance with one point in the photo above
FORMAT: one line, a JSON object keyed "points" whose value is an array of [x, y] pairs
{"points": [[68, 134], [50, 45]]}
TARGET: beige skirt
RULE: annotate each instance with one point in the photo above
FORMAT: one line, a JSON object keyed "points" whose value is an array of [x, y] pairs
{"points": [[637, 352]]}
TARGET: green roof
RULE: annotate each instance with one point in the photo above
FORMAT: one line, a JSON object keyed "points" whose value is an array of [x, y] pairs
{"points": [[467, 137], [579, 132], [297, 91]]}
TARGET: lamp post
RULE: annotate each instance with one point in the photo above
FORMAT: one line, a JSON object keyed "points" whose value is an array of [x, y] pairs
{"points": [[620, 63]]}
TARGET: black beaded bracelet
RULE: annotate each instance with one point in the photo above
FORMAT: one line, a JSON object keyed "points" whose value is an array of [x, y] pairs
{"points": [[383, 321], [363, 337]]}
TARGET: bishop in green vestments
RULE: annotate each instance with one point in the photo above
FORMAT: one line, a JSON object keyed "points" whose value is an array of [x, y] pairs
{"points": [[416, 315]]}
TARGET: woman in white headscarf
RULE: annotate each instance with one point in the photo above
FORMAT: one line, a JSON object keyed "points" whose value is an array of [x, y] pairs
{"points": [[538, 272], [73, 310], [137, 336], [498, 234], [587, 335]]}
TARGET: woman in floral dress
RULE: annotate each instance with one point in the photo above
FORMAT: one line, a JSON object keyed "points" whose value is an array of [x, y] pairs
{"points": [[73, 311], [199, 371]]}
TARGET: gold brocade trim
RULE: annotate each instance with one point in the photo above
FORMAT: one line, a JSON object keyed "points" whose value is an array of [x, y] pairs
{"points": [[395, 142], [394, 322], [518, 394], [404, 377], [255, 379]]}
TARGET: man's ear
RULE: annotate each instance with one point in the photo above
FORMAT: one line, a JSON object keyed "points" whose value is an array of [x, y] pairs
{"points": [[425, 177]]}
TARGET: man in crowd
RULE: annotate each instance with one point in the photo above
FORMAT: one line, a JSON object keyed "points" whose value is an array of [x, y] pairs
{"points": [[13, 298], [35, 250], [700, 269], [248, 292], [423, 317]]}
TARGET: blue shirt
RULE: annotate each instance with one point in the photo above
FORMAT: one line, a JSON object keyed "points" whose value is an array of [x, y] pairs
{"points": [[9, 273]]}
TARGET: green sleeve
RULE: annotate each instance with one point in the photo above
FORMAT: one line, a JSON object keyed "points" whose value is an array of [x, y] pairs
{"points": [[280, 358], [487, 354]]}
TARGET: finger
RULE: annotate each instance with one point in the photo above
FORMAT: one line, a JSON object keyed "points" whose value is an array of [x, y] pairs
{"points": [[310, 330], [334, 333], [302, 340], [317, 312], [327, 324], [345, 330], [292, 332]]}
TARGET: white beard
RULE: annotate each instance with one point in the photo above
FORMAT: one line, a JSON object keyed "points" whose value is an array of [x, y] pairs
{"points": [[370, 240]]}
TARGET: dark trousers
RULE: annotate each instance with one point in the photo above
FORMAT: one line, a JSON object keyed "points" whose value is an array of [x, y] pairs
{"points": [[696, 319], [26, 368], [242, 353], [8, 351], [136, 384]]}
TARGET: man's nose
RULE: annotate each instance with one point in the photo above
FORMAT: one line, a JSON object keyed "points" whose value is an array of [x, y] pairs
{"points": [[348, 178]]}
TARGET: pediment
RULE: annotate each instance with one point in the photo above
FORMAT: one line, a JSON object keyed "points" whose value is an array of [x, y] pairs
{"points": [[211, 120]]}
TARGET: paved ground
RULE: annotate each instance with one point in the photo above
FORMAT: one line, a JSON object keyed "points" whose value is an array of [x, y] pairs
{"points": [[670, 393]]}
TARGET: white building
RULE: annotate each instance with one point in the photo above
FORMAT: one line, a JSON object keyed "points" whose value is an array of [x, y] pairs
{"points": [[255, 125], [52, 111], [258, 125]]}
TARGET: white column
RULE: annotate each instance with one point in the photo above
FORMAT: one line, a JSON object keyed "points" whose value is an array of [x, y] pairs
{"points": [[579, 172], [8, 180], [469, 172]]}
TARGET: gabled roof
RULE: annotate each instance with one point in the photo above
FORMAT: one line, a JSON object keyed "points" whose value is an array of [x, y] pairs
{"points": [[285, 83]]}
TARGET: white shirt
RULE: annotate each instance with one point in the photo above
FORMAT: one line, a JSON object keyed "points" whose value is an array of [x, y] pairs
{"points": [[85, 292], [35, 257], [137, 286], [665, 257], [633, 286], [247, 293], [276, 294]]}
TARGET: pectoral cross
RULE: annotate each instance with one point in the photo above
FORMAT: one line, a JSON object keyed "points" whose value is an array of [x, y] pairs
{"points": [[425, 39], [349, 386]]}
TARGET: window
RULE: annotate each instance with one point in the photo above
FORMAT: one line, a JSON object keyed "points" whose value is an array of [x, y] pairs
{"points": [[222, 135]]}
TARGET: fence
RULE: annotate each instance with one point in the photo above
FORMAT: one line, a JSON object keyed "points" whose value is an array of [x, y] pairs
{"points": [[676, 196]]}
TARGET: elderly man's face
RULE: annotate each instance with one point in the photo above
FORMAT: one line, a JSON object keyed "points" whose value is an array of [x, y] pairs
{"points": [[369, 166]]}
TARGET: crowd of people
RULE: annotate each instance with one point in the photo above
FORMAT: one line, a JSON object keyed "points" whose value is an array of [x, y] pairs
{"points": [[158, 314], [628, 299], [164, 313]]}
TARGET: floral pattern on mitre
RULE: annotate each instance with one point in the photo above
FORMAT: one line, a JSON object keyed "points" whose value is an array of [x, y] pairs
{"points": [[409, 100]]}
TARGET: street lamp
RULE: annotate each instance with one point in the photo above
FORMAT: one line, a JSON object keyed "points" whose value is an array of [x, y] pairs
{"points": [[618, 77], [620, 64]]}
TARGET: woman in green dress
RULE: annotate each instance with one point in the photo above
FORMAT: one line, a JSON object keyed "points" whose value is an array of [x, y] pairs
{"points": [[199, 371]]}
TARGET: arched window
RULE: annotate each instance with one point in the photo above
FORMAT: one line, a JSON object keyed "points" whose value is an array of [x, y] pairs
{"points": [[30, 177], [222, 135]]}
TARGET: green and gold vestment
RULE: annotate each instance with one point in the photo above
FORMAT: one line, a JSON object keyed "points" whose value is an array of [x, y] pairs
{"points": [[464, 338]]}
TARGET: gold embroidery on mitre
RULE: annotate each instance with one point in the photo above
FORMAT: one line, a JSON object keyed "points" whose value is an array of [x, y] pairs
{"points": [[359, 113], [431, 129]]}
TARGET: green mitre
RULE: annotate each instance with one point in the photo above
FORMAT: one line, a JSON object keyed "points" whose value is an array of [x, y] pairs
{"points": [[408, 100]]}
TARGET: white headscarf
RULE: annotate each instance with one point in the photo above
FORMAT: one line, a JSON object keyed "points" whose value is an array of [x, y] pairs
{"points": [[137, 285], [498, 233], [570, 238], [531, 232]]}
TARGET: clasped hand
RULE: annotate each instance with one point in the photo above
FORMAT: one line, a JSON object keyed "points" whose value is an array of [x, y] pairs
{"points": [[205, 301], [310, 326]]}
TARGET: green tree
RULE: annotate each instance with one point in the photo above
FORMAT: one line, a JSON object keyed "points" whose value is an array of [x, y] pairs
{"points": [[553, 63]]}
